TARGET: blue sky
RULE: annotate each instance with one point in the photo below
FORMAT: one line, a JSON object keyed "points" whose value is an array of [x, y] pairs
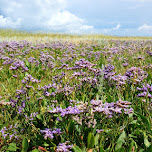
{"points": [[109, 17]]}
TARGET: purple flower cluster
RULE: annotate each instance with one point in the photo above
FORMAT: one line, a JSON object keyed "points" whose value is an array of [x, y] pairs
{"points": [[119, 79], [46, 60], [146, 91], [63, 147], [80, 109], [29, 78], [125, 64], [149, 52], [136, 74], [33, 60], [32, 116], [10, 132], [49, 133], [84, 64], [19, 64], [108, 71], [7, 60], [66, 112], [78, 74], [110, 109]]}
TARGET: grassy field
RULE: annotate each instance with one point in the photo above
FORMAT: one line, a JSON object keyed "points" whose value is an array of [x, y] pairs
{"points": [[79, 93], [13, 35]]}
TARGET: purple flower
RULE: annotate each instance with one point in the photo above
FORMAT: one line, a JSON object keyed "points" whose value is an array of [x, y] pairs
{"points": [[99, 130], [107, 71], [63, 147], [70, 111], [2, 131], [125, 64], [95, 102], [15, 76], [5, 135], [49, 133], [11, 136], [20, 109]]}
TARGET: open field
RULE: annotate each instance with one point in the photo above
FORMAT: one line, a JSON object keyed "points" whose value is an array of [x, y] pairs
{"points": [[12, 35], [89, 93]]}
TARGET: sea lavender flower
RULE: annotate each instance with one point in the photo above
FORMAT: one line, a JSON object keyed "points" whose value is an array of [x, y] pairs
{"points": [[55, 110], [70, 111], [99, 130], [136, 74], [11, 136], [125, 64], [20, 109], [147, 89], [109, 109], [17, 64], [49, 133], [31, 59], [2, 131], [108, 71], [29, 78], [63, 147], [128, 111], [9, 131], [95, 102], [15, 76]]}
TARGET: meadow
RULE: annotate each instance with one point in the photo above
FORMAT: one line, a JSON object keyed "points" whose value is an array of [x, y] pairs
{"points": [[78, 93]]}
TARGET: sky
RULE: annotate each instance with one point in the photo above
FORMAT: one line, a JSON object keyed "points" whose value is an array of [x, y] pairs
{"points": [[108, 17]]}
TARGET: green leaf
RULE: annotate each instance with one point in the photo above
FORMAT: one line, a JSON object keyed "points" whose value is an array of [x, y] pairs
{"points": [[132, 143], [25, 145], [97, 139], [149, 149], [146, 142], [120, 140], [71, 127], [27, 63], [83, 148], [141, 150], [35, 150], [145, 120], [101, 149], [132, 136], [122, 149], [46, 144], [76, 149], [90, 141], [12, 147], [40, 117]]}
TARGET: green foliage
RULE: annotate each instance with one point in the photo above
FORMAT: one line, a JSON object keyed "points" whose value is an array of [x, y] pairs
{"points": [[90, 141], [120, 141], [76, 149], [12, 147], [25, 145]]}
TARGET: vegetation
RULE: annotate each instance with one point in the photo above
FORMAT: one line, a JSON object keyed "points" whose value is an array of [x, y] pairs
{"points": [[75, 93]]}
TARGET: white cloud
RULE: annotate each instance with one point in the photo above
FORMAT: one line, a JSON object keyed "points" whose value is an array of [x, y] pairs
{"points": [[108, 30], [48, 15], [6, 22], [117, 27], [145, 27]]}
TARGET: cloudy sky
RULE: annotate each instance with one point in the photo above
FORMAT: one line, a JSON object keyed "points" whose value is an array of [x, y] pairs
{"points": [[109, 17]]}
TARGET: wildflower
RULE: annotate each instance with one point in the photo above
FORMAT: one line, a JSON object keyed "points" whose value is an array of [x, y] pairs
{"points": [[49, 133], [63, 147]]}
